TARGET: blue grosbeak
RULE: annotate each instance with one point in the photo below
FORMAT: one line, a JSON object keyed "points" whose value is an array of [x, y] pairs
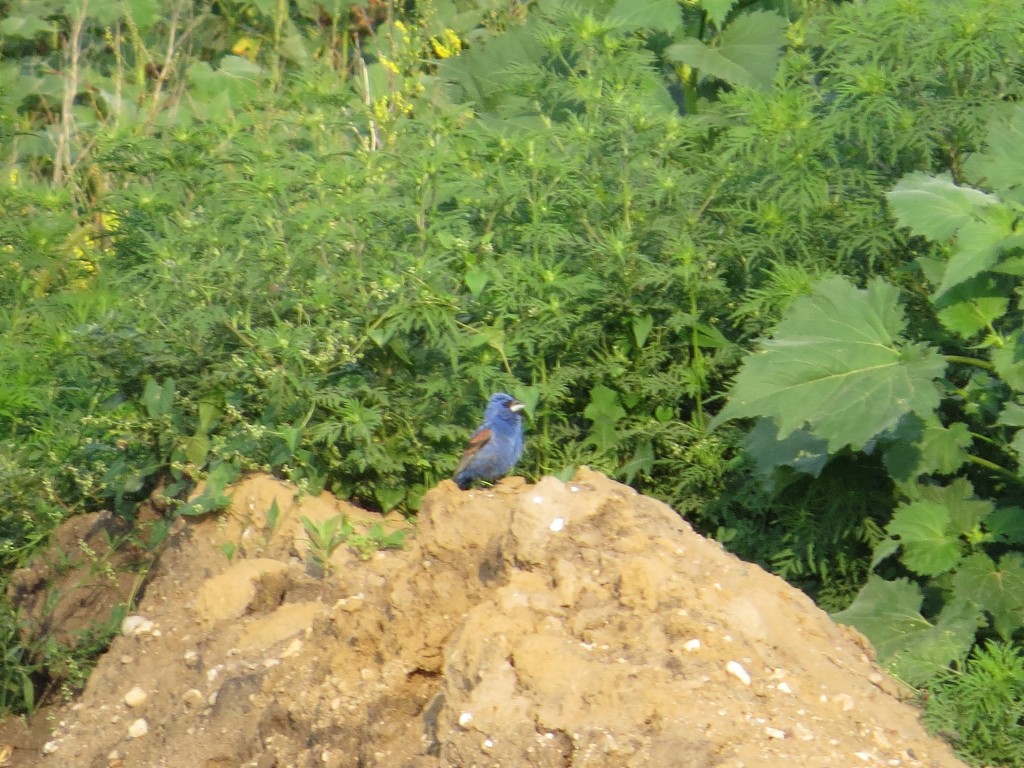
{"points": [[496, 445]]}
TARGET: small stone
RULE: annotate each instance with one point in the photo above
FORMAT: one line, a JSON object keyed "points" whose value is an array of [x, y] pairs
{"points": [[138, 729], [844, 700], [193, 698], [774, 733], [136, 697], [557, 524], [736, 669], [465, 719], [784, 687], [136, 626], [802, 732], [691, 645], [50, 747], [126, 659], [191, 658], [294, 649]]}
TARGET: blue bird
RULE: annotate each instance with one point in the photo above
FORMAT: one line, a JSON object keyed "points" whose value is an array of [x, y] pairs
{"points": [[496, 445]]}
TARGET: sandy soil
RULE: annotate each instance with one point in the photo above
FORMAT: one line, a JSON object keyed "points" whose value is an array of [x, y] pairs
{"points": [[557, 624]]}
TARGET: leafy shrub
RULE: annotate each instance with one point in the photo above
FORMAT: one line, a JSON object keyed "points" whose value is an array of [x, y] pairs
{"points": [[841, 371], [979, 705]]}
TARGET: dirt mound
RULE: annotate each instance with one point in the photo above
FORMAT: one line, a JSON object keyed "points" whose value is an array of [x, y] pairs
{"points": [[556, 624]]}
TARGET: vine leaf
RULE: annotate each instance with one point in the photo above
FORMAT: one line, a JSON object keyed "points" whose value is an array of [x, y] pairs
{"points": [[923, 529], [999, 590], [889, 615], [654, 14], [1001, 165], [933, 206], [838, 364], [748, 52]]}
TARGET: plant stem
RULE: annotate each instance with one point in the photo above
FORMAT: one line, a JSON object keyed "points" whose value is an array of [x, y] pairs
{"points": [[975, 361], [991, 465]]}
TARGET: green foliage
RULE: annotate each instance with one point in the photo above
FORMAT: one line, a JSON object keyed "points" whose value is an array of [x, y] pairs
{"points": [[327, 535], [306, 239], [979, 706], [942, 433], [840, 362]]}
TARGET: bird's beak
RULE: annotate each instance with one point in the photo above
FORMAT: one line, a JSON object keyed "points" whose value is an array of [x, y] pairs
{"points": [[515, 406]]}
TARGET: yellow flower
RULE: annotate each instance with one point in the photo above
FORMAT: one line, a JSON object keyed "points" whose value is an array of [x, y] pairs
{"points": [[389, 65], [447, 45], [246, 46]]}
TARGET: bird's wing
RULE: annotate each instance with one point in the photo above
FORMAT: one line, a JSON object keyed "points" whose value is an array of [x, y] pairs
{"points": [[479, 439]]}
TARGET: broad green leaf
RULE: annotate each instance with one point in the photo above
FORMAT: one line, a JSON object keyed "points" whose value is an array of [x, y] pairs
{"points": [[642, 461], [1017, 444], [144, 13], [605, 412], [933, 206], [209, 415], [978, 245], [476, 279], [965, 510], [642, 327], [801, 450], [1008, 361], [229, 86], [1001, 165], [26, 27], [158, 398], [664, 15], [528, 396], [999, 590], [883, 549], [717, 10], [922, 528], [197, 448], [943, 449], [889, 615], [838, 364], [1006, 525], [923, 446], [1012, 415], [972, 306], [747, 53]]}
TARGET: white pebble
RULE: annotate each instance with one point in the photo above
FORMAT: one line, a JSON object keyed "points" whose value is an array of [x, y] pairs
{"points": [[294, 649], [537, 499], [844, 700], [488, 743], [784, 687], [557, 524], [465, 719], [736, 669], [50, 747], [136, 697], [691, 645], [138, 729], [774, 733], [136, 626]]}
